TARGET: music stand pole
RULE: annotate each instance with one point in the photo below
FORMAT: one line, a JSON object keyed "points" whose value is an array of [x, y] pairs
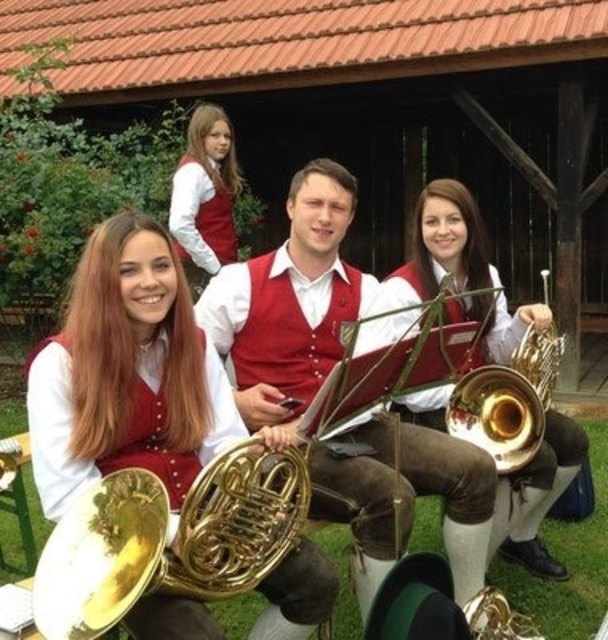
{"points": [[397, 501]]}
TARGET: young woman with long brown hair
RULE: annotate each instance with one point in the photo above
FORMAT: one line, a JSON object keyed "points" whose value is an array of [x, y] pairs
{"points": [[450, 238], [131, 382]]}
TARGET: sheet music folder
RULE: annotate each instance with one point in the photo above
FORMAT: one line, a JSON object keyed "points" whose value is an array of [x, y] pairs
{"points": [[356, 384]]}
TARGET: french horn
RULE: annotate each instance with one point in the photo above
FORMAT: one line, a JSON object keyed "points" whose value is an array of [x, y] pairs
{"points": [[241, 517], [490, 617], [502, 409]]}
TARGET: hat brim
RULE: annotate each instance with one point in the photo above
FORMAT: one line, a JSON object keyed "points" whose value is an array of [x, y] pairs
{"points": [[422, 568]]}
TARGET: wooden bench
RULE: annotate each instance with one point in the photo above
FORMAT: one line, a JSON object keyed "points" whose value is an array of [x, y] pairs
{"points": [[14, 500]]}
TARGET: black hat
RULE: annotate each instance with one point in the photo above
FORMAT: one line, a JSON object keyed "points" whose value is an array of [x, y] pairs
{"points": [[416, 602]]}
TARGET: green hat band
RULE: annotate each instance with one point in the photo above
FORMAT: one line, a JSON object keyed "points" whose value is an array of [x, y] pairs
{"points": [[400, 616]]}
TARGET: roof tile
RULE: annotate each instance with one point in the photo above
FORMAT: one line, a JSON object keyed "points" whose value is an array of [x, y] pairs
{"points": [[118, 44]]}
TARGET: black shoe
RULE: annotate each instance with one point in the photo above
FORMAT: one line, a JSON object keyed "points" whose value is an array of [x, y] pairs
{"points": [[534, 555]]}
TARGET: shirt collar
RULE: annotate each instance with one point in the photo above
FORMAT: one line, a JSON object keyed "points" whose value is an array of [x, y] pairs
{"points": [[161, 340], [440, 272], [283, 262]]}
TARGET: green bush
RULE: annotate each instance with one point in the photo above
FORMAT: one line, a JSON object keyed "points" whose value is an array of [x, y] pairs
{"points": [[58, 181]]}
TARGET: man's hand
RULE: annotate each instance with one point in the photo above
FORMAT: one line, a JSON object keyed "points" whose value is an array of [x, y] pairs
{"points": [[539, 315], [258, 406]]}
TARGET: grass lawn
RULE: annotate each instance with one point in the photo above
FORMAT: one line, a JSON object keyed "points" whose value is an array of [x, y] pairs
{"points": [[570, 610]]}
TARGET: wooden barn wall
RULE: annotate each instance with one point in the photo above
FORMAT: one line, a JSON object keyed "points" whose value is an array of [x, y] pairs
{"points": [[393, 156], [372, 152], [521, 225]]}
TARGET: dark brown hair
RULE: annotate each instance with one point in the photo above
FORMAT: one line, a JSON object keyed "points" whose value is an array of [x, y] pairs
{"points": [[329, 168], [475, 255]]}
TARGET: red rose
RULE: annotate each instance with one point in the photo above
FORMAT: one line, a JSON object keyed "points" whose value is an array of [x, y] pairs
{"points": [[27, 206], [20, 156], [28, 249], [32, 233]]}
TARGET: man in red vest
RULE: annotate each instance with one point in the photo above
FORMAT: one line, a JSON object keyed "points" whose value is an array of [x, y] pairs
{"points": [[279, 317]]}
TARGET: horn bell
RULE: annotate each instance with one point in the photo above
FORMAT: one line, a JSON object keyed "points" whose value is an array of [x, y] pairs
{"points": [[497, 409], [101, 556]]}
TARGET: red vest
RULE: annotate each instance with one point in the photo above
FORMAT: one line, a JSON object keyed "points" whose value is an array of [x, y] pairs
{"points": [[277, 346], [455, 312], [143, 446], [215, 222]]}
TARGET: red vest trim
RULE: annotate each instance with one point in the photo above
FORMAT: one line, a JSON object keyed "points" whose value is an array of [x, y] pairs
{"points": [[277, 346], [215, 222]]}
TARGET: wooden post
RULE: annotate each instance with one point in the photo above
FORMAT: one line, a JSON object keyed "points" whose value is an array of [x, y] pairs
{"points": [[570, 158]]}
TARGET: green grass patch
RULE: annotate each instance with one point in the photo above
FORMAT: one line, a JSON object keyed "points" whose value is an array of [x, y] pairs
{"points": [[571, 610]]}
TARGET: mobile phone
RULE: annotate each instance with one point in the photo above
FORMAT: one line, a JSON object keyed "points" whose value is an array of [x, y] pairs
{"points": [[290, 403]]}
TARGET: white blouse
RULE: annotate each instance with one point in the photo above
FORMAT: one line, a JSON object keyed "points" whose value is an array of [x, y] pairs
{"points": [[59, 478], [397, 293]]}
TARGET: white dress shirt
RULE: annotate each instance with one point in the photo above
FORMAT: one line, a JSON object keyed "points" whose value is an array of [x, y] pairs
{"points": [[192, 187], [397, 293], [59, 478], [223, 308]]}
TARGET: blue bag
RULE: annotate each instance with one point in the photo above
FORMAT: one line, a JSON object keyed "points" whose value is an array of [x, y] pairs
{"points": [[578, 500]]}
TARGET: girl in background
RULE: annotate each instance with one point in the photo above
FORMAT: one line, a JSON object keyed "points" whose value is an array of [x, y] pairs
{"points": [[206, 182], [131, 382]]}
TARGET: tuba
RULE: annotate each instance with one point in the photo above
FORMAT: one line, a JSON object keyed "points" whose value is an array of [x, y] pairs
{"points": [[241, 517], [502, 409]]}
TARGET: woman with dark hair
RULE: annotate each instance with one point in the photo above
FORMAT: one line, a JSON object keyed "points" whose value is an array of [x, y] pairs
{"points": [[207, 180], [450, 238], [130, 381]]}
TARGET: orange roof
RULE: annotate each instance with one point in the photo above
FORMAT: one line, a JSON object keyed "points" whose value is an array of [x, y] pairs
{"points": [[168, 47]]}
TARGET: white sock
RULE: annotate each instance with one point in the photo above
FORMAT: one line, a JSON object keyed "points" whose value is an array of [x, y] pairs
{"points": [[271, 625], [529, 499], [535, 514], [368, 574], [504, 516], [466, 546], [510, 507]]}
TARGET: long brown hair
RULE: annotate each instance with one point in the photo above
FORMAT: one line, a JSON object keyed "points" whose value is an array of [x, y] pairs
{"points": [[104, 349], [229, 177], [475, 255]]}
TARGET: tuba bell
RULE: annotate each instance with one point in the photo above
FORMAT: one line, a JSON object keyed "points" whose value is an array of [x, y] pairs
{"points": [[241, 517], [502, 409]]}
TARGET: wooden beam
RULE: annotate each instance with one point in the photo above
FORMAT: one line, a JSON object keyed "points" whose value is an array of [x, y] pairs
{"points": [[507, 146], [590, 120], [600, 184], [570, 159], [594, 191]]}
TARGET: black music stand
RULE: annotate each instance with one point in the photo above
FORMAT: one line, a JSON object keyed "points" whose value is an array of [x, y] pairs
{"points": [[434, 355], [356, 384]]}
